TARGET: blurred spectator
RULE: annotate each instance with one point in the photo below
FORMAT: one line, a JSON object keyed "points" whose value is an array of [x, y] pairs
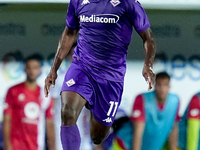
{"points": [[12, 56], [155, 117], [15, 56], [83, 121], [25, 112], [189, 126]]}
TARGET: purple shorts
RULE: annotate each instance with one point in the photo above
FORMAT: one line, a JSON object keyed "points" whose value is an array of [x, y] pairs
{"points": [[103, 96]]}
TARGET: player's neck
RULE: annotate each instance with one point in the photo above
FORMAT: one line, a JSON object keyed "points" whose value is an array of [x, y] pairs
{"points": [[30, 85], [160, 100]]}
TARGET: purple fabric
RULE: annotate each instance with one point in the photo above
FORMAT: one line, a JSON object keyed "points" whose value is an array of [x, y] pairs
{"points": [[104, 33], [103, 96], [70, 137]]}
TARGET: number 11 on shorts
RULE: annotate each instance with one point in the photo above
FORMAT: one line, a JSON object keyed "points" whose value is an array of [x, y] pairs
{"points": [[112, 103]]}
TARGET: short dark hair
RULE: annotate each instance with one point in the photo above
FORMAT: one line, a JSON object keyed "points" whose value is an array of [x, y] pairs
{"points": [[13, 56], [162, 75], [36, 57]]}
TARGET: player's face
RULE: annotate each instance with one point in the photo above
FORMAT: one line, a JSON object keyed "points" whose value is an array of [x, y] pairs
{"points": [[32, 70], [162, 87]]}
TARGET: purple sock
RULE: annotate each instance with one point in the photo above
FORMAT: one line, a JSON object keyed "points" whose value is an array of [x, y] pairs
{"points": [[70, 137]]}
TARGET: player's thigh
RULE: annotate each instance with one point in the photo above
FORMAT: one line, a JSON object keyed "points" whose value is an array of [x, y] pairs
{"points": [[71, 106]]}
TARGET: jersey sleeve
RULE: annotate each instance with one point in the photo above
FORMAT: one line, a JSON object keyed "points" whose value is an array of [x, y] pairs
{"points": [[138, 113], [138, 17], [72, 19], [50, 110], [8, 104], [194, 108]]}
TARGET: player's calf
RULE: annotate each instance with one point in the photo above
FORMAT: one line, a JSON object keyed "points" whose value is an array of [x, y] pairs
{"points": [[98, 132]]}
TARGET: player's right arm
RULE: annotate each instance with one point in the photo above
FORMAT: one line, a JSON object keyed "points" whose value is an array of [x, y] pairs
{"points": [[193, 117], [138, 119], [7, 121], [65, 43]]}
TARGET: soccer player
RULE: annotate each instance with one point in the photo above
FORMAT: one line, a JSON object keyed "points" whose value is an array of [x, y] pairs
{"points": [[189, 127], [96, 75], [155, 117], [26, 111]]}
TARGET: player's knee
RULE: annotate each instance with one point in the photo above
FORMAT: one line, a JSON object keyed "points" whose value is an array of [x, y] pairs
{"points": [[97, 139], [68, 115]]}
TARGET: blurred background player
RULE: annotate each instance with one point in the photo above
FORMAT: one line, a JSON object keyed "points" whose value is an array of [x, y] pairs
{"points": [[15, 57], [189, 126], [26, 112], [155, 117]]}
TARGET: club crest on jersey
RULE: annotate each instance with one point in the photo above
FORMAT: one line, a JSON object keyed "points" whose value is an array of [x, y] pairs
{"points": [[115, 2], [70, 82]]}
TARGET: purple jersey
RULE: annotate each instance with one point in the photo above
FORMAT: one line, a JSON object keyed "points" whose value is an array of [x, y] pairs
{"points": [[105, 29]]}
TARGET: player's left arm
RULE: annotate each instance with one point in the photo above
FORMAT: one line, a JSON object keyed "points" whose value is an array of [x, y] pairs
{"points": [[140, 21], [50, 127], [150, 50], [173, 137]]}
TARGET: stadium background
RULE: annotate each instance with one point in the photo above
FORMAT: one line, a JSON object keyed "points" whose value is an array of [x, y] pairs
{"points": [[35, 26]]}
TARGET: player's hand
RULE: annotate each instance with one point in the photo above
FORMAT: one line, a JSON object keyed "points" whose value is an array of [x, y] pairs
{"points": [[50, 80], [149, 76]]}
